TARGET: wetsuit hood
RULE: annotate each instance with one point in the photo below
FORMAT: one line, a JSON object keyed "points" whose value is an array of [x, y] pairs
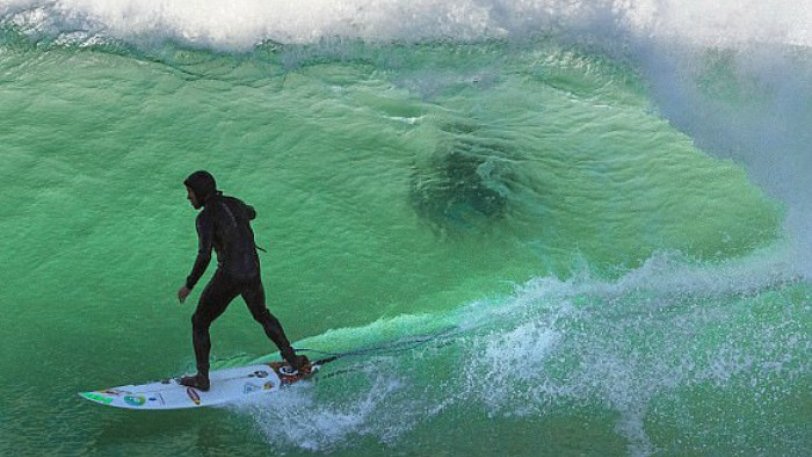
{"points": [[202, 184]]}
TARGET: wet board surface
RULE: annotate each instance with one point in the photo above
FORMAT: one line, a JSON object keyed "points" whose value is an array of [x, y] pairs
{"points": [[227, 385]]}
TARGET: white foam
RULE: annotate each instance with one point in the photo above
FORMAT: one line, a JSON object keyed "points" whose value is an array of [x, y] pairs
{"points": [[730, 21], [294, 419], [240, 24]]}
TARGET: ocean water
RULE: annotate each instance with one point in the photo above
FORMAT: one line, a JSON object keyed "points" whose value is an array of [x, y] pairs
{"points": [[551, 228]]}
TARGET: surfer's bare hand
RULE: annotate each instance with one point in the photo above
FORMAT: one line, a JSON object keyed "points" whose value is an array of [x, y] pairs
{"points": [[183, 293]]}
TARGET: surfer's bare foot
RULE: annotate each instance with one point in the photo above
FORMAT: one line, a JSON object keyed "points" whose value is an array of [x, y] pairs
{"points": [[197, 381]]}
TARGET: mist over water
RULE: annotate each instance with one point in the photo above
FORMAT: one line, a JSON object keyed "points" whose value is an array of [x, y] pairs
{"points": [[750, 105], [570, 228]]}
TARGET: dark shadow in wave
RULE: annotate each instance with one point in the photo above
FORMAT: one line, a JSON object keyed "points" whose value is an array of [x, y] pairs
{"points": [[466, 183]]}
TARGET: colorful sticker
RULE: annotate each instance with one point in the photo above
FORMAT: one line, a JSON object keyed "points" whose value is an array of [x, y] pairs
{"points": [[135, 400], [249, 388], [193, 395], [97, 397]]}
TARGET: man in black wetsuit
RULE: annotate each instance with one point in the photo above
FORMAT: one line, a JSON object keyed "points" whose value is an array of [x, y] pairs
{"points": [[224, 224]]}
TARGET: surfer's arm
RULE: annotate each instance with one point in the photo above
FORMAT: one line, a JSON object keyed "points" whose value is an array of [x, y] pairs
{"points": [[205, 235]]}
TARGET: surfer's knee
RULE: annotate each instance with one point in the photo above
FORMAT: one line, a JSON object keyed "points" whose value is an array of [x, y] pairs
{"points": [[264, 316], [260, 314]]}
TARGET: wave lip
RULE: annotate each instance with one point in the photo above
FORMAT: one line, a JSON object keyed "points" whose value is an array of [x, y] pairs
{"points": [[242, 24]]}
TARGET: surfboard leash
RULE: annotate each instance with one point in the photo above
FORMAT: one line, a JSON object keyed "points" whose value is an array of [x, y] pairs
{"points": [[394, 347]]}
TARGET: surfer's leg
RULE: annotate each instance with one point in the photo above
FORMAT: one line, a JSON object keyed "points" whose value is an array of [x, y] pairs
{"points": [[214, 300], [254, 295]]}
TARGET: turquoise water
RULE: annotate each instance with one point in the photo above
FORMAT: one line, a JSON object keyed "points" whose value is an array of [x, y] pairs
{"points": [[554, 243]]}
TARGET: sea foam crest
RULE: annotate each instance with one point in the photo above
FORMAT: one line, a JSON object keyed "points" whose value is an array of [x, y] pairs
{"points": [[241, 24]]}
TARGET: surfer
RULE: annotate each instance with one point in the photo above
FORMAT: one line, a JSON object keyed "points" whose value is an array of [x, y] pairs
{"points": [[224, 224]]}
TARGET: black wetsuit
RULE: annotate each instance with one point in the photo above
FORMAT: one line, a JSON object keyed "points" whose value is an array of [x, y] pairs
{"points": [[224, 224]]}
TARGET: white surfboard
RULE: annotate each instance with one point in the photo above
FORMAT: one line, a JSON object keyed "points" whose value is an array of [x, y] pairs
{"points": [[227, 385]]}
